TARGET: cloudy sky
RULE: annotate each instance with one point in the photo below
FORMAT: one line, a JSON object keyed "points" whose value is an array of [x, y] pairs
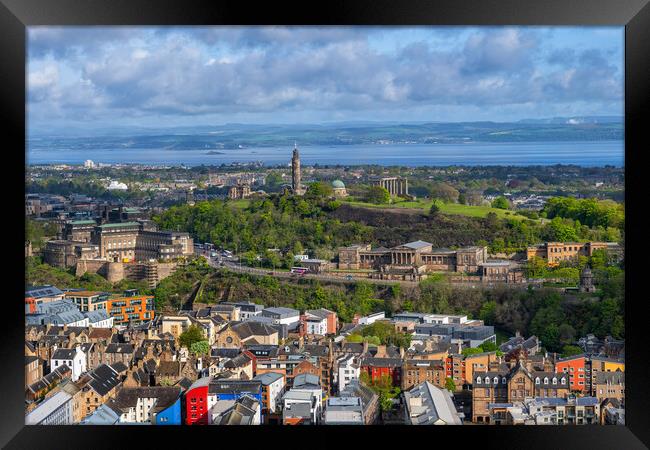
{"points": [[90, 77]]}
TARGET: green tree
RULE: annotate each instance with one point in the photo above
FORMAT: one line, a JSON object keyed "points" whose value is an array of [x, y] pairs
{"points": [[435, 209], [570, 350], [355, 338], [450, 385], [471, 351], [488, 312], [501, 203], [192, 335], [488, 347], [319, 190], [200, 348], [444, 192], [377, 194]]}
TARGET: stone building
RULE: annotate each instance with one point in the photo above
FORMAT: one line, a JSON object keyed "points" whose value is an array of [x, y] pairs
{"points": [[396, 186], [411, 261], [339, 188], [587, 281], [554, 252], [500, 272], [116, 242], [510, 385], [418, 371], [66, 253], [239, 191]]}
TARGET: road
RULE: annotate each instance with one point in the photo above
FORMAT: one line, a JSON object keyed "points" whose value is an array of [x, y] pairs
{"points": [[231, 264], [236, 267]]}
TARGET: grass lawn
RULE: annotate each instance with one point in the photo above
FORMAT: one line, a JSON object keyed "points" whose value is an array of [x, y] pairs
{"points": [[241, 203], [445, 208]]}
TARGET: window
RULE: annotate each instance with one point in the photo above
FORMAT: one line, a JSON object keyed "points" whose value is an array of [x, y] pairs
{"points": [[487, 380], [554, 380], [478, 380], [537, 380]]}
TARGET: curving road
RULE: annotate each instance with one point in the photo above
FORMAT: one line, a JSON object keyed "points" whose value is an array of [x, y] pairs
{"points": [[236, 267]]}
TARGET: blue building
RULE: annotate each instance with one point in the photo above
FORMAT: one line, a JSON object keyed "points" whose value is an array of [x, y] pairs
{"points": [[234, 389], [171, 415]]}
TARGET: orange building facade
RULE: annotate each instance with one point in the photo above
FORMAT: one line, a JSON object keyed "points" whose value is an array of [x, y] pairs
{"points": [[576, 368], [134, 310]]}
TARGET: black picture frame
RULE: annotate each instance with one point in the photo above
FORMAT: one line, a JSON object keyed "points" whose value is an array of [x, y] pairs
{"points": [[16, 15]]}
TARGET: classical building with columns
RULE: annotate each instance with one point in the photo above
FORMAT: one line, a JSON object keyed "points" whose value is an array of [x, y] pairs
{"points": [[396, 186], [411, 261]]}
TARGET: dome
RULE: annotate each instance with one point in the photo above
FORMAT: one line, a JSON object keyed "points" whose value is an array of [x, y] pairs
{"points": [[338, 184]]}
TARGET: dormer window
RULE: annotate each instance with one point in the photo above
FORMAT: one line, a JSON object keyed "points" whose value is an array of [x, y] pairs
{"points": [[537, 380], [496, 380], [478, 380], [545, 380], [563, 380], [554, 380], [503, 380], [487, 380]]}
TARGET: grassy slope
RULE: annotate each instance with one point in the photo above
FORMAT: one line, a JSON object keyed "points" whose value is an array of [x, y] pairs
{"points": [[446, 208]]}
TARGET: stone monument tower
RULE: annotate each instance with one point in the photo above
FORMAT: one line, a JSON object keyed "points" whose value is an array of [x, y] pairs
{"points": [[295, 172], [587, 281]]}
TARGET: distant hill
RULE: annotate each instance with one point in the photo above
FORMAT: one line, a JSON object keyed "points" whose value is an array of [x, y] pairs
{"points": [[233, 136]]}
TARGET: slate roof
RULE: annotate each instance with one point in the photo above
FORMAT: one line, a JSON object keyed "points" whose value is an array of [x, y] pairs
{"points": [[610, 377], [101, 333], [105, 379], [119, 348], [238, 361], [96, 316], [316, 350], [262, 350], [56, 375], [43, 291], [381, 362], [281, 311], [352, 347], [417, 245], [128, 397], [251, 328], [30, 346], [184, 383], [119, 367], [64, 353], [320, 312], [168, 369], [224, 352]]}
